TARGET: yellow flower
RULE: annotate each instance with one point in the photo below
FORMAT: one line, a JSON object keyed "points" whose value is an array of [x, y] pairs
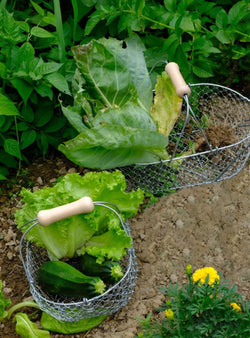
{"points": [[201, 274], [169, 314], [236, 307]]}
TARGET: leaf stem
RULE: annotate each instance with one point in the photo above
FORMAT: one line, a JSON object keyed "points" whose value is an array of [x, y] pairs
{"points": [[75, 11], [27, 303], [18, 140], [149, 19]]}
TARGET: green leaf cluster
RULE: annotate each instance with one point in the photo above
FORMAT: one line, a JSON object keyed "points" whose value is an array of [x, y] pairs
{"points": [[98, 233], [113, 107], [31, 76], [195, 34]]}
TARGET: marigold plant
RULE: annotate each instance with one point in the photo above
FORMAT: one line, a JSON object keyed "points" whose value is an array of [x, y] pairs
{"points": [[203, 307]]}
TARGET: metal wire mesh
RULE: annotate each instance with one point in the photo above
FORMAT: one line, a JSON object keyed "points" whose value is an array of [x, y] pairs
{"points": [[72, 309], [209, 143]]}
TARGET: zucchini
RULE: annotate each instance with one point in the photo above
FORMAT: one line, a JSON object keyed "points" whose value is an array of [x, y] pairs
{"points": [[108, 271], [60, 278]]}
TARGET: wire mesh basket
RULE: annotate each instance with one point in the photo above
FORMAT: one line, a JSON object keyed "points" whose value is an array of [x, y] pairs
{"points": [[72, 309], [209, 142]]}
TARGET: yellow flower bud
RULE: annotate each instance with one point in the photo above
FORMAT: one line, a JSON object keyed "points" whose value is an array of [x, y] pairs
{"points": [[168, 303], [189, 270]]}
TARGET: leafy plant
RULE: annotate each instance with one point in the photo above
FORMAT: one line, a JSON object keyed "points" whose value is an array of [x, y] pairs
{"points": [[204, 307], [99, 232], [30, 80], [113, 111], [195, 34]]}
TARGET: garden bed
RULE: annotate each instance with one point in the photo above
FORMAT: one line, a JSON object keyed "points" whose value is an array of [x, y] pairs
{"points": [[207, 225]]}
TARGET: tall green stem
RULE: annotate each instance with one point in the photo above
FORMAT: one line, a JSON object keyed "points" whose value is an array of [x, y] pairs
{"points": [[3, 4], [59, 29], [75, 11]]}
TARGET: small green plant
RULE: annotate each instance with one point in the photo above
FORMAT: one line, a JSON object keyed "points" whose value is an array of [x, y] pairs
{"points": [[204, 307]]}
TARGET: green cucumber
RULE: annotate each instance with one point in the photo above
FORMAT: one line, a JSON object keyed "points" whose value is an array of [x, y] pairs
{"points": [[108, 271], [60, 278]]}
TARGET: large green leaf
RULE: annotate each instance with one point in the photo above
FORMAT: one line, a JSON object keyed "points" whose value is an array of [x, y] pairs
{"points": [[132, 56], [114, 73], [108, 79], [111, 146], [52, 324], [130, 115]]}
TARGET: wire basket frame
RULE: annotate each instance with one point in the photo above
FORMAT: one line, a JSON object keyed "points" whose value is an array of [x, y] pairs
{"points": [[69, 309], [209, 143]]}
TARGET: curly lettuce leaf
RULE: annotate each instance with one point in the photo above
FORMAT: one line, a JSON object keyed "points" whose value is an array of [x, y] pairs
{"points": [[65, 237], [167, 105], [110, 245]]}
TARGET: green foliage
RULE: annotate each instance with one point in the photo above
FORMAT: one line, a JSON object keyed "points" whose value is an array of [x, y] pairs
{"points": [[209, 40], [200, 310], [31, 77], [195, 34]]}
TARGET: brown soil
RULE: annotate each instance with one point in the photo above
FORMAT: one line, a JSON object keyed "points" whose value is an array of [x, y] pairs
{"points": [[207, 225]]}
